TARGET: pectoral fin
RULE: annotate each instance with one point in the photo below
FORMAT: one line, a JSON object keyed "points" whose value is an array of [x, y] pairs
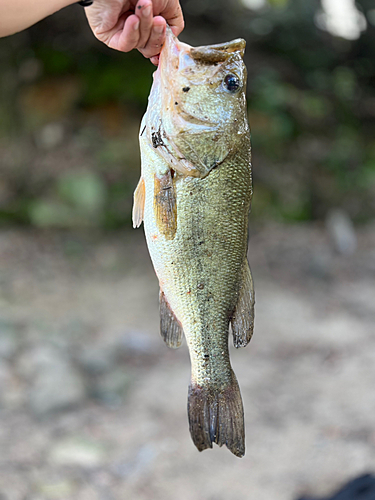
{"points": [[139, 203], [243, 317], [165, 205], [170, 327]]}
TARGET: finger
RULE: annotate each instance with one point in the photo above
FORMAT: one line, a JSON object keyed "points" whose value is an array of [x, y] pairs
{"points": [[145, 14], [173, 15], [111, 37], [155, 60], [103, 20], [157, 38], [127, 38]]}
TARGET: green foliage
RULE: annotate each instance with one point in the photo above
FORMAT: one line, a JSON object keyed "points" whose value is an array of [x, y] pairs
{"points": [[279, 3], [311, 108], [79, 201], [55, 62], [344, 83], [84, 190], [124, 79]]}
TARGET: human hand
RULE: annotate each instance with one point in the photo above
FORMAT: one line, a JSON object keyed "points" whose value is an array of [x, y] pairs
{"points": [[135, 24]]}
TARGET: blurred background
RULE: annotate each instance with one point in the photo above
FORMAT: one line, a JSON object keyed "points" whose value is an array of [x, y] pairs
{"points": [[92, 404]]}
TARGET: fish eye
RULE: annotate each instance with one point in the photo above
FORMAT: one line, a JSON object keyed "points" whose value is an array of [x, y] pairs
{"points": [[232, 83]]}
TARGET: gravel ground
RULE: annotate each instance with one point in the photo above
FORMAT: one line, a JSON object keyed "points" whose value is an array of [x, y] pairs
{"points": [[93, 405]]}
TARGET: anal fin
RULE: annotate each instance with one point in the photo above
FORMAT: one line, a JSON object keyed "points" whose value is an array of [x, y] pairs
{"points": [[243, 317], [139, 203], [170, 328]]}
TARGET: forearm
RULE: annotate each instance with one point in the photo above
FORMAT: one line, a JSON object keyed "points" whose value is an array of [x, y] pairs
{"points": [[17, 15]]}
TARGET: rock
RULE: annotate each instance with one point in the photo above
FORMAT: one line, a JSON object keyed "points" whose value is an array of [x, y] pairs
{"points": [[9, 341], [112, 387], [56, 383], [77, 452], [136, 342], [5, 378], [360, 488], [341, 231], [57, 489], [30, 69], [12, 392], [320, 263], [98, 359], [138, 464], [40, 357], [50, 136]]}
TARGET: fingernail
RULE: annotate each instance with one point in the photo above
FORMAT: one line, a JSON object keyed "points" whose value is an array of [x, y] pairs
{"points": [[158, 29], [136, 25], [146, 12]]}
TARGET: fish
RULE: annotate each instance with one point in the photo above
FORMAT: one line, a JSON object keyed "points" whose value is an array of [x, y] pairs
{"points": [[194, 197]]}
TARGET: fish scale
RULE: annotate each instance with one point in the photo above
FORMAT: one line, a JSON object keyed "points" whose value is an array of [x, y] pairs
{"points": [[194, 198]]}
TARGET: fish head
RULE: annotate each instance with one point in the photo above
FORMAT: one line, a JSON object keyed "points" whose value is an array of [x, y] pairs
{"points": [[202, 91]]}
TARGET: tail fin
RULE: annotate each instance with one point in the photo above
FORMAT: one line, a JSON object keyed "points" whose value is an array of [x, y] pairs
{"points": [[216, 416]]}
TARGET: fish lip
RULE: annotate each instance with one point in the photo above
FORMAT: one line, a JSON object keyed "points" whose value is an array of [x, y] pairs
{"points": [[219, 52], [171, 49], [193, 120]]}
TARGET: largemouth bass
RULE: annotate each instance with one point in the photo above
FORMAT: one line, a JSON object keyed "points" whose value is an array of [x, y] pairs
{"points": [[194, 197]]}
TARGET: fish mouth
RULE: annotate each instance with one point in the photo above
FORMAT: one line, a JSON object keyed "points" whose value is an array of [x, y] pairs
{"points": [[186, 117], [179, 57]]}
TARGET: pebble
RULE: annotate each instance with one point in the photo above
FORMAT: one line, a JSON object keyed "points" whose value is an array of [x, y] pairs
{"points": [[55, 383], [136, 466], [9, 341], [137, 342], [111, 387], [12, 392], [98, 359], [50, 136], [77, 452], [57, 489], [341, 230]]}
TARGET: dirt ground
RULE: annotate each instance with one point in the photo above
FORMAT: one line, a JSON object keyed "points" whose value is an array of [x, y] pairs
{"points": [[93, 404]]}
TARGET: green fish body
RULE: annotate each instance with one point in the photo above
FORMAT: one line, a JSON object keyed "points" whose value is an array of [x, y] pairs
{"points": [[194, 197]]}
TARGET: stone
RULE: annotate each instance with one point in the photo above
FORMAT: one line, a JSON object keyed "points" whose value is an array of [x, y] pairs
{"points": [[78, 452], [57, 489], [112, 386], [9, 341], [56, 383], [12, 392], [341, 231], [98, 359], [50, 136]]}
